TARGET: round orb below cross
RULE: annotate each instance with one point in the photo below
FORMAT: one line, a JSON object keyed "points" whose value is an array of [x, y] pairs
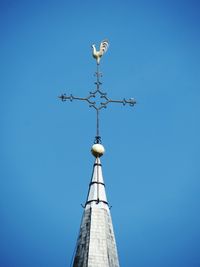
{"points": [[97, 150]]}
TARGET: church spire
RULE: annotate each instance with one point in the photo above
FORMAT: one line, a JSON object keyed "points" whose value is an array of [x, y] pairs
{"points": [[96, 191], [96, 246]]}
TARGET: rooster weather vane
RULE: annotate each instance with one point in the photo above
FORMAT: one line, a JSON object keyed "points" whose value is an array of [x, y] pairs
{"points": [[98, 93]]}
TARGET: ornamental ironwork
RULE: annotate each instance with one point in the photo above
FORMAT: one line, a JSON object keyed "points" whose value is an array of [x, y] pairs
{"points": [[98, 99]]}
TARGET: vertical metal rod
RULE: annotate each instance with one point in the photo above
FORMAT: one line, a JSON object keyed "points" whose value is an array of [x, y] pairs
{"points": [[98, 139], [97, 122], [98, 83], [97, 76]]}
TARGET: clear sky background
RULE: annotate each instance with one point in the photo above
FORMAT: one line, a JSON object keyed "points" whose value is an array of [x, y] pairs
{"points": [[151, 166]]}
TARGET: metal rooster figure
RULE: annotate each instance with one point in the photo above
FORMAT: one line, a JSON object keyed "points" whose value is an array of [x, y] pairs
{"points": [[103, 48], [98, 93]]}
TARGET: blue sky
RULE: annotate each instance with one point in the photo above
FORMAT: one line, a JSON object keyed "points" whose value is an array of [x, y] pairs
{"points": [[151, 166]]}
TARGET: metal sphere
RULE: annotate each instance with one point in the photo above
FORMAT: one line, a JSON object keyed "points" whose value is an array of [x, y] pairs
{"points": [[97, 150]]}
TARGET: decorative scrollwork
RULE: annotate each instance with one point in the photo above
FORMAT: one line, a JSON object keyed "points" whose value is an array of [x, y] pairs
{"points": [[98, 106]]}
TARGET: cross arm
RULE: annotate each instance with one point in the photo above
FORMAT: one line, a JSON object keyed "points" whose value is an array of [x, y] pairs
{"points": [[130, 101], [64, 97]]}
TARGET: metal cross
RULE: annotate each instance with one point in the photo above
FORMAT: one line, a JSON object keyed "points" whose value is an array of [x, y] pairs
{"points": [[95, 105]]}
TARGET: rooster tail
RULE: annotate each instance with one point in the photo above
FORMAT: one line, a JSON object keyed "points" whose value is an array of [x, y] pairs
{"points": [[104, 46]]}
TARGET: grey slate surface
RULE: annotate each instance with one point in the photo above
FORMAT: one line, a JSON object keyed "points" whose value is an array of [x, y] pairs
{"points": [[96, 246]]}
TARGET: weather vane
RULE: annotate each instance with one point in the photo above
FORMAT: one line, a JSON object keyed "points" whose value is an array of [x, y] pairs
{"points": [[98, 93]]}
